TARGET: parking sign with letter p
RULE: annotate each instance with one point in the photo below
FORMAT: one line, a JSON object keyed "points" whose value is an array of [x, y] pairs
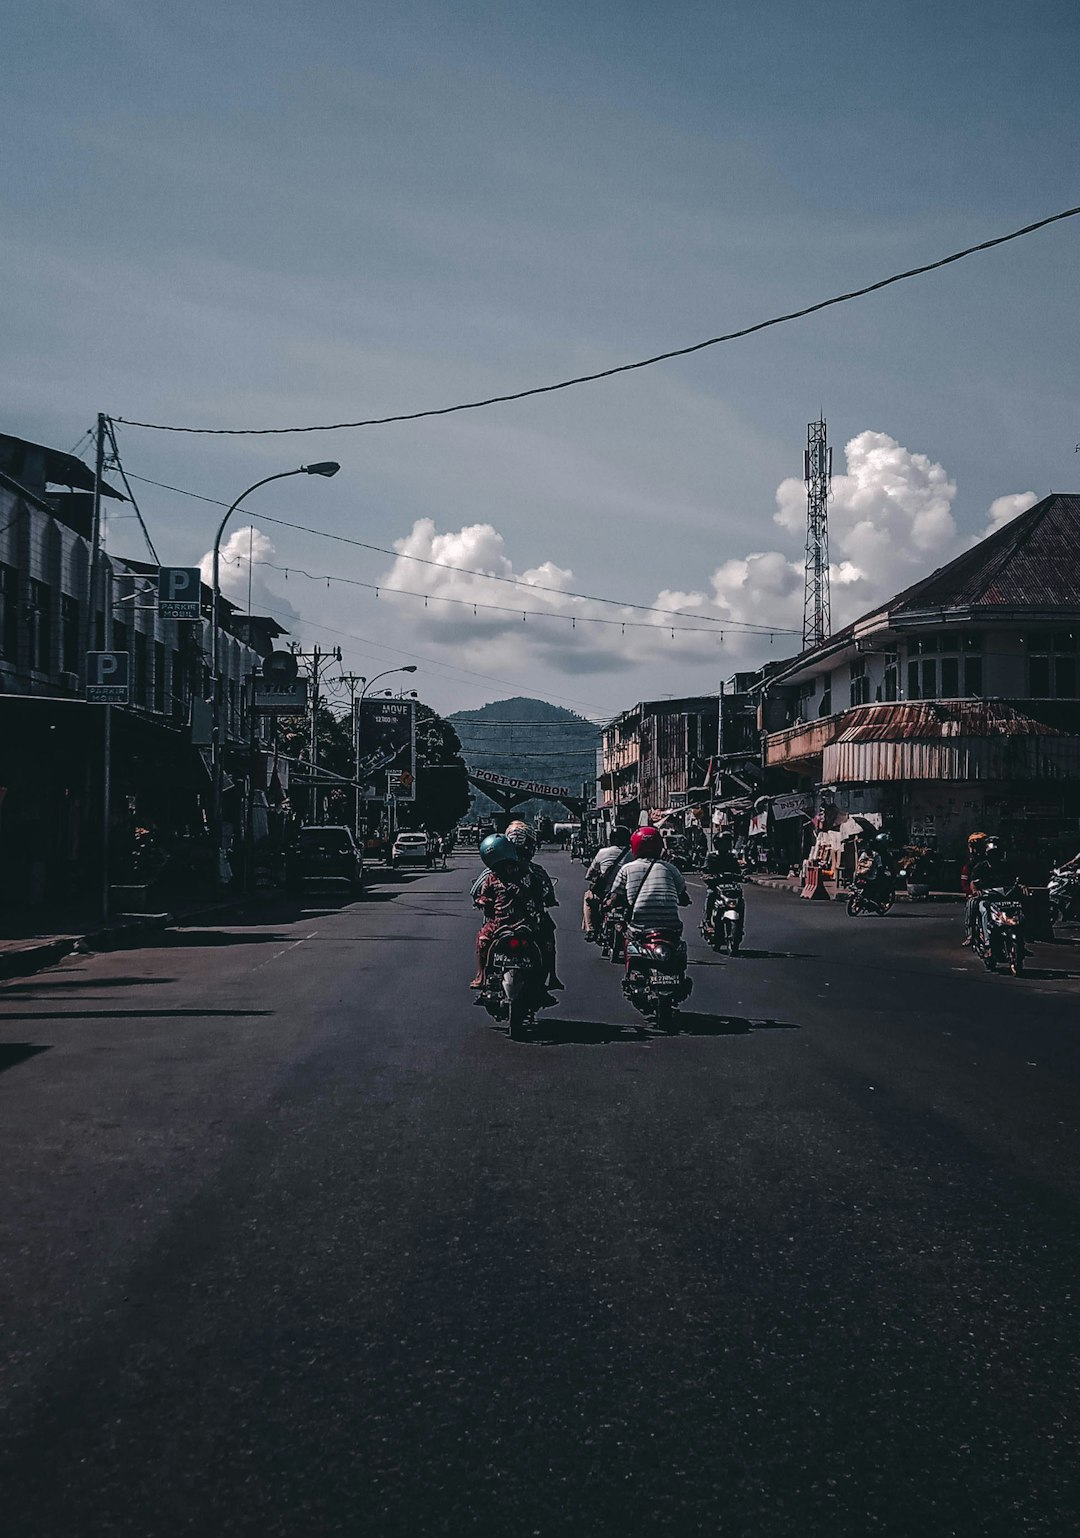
{"points": [[180, 592]]}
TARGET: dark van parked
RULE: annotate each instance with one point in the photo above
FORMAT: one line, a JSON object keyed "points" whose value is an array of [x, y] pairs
{"points": [[326, 856]]}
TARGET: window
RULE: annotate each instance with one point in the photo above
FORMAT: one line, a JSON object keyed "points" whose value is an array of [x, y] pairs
{"points": [[950, 678], [973, 679], [159, 678], [890, 683], [69, 633], [39, 625], [860, 684], [138, 669], [9, 613], [922, 678], [825, 707], [1052, 672]]}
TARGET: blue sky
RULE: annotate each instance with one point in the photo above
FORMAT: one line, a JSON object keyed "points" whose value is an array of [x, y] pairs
{"points": [[266, 214]]}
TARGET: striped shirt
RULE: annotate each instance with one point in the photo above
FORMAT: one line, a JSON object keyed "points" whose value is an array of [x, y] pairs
{"points": [[602, 869], [652, 890]]}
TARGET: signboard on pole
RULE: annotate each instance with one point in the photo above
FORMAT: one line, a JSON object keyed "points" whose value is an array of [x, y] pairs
{"points": [[180, 592], [501, 782], [280, 698], [385, 736], [108, 677]]}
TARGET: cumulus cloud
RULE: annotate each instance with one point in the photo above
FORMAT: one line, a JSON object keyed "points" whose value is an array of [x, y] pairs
{"points": [[1004, 509], [245, 552], [890, 522]]}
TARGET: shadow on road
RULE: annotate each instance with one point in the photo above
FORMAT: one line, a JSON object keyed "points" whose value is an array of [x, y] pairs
{"points": [[592, 1033], [48, 984], [139, 1014], [183, 938], [12, 1053]]}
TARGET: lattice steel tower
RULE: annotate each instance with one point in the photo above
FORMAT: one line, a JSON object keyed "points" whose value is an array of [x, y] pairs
{"points": [[817, 472]]}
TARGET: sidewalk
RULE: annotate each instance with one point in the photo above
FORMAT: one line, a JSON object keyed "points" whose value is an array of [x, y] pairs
{"points": [[30, 952]]}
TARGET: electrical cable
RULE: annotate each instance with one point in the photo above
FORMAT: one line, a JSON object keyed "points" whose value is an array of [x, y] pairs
{"points": [[117, 464], [744, 626], [622, 368], [380, 588]]}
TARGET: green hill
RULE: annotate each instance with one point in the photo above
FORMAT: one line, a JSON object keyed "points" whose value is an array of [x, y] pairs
{"points": [[526, 739]]}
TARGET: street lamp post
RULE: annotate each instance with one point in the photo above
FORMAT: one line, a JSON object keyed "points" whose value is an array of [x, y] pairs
{"points": [[358, 707], [327, 468]]}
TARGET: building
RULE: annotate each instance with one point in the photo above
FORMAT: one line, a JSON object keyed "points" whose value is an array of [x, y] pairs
{"points": [[956, 704], [657, 756], [51, 738]]}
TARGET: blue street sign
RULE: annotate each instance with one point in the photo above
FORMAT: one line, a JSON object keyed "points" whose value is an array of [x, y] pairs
{"points": [[180, 592], [107, 677]]}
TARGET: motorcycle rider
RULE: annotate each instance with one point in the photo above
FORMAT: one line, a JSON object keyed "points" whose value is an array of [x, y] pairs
{"points": [[873, 869], [543, 889], [650, 888], [721, 869], [505, 895], [994, 871], [598, 878]]}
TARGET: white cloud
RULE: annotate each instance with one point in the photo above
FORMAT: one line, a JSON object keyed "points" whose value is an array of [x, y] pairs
{"points": [[1004, 509], [890, 522], [245, 553]]}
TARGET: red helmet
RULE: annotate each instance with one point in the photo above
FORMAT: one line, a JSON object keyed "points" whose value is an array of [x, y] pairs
{"points": [[647, 844]]}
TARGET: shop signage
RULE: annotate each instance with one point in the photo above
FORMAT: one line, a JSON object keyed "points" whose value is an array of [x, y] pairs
{"points": [[180, 592], [784, 807], [107, 677], [280, 698]]}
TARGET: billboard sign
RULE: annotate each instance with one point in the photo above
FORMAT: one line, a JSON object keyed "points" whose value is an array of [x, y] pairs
{"points": [[180, 592], [385, 737], [274, 697], [107, 677]]}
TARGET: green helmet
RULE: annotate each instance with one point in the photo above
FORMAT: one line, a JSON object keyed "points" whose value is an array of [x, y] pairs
{"points": [[497, 852]]}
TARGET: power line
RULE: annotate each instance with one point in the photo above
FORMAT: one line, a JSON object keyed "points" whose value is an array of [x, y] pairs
{"points": [[380, 588], [622, 368], [744, 626]]}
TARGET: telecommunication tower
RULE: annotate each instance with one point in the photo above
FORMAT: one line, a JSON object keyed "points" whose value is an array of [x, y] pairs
{"points": [[817, 472]]}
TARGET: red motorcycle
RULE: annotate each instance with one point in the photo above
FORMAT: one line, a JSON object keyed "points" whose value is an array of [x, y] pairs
{"points": [[656, 982]]}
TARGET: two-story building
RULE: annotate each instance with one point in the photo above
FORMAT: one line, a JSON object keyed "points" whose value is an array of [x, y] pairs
{"points": [[51, 738], [956, 704], [656, 756]]}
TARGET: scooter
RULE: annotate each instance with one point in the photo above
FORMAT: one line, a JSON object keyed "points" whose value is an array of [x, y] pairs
{"points": [[656, 982], [515, 978], [726, 918], [999, 933], [1064, 890], [613, 936], [862, 900]]}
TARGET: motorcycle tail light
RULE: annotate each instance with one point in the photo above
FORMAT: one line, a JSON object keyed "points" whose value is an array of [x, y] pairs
{"points": [[513, 944]]}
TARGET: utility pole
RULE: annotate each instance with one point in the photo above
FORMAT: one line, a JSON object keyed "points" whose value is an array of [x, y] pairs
{"points": [[352, 682], [817, 472], [95, 575], [319, 660]]}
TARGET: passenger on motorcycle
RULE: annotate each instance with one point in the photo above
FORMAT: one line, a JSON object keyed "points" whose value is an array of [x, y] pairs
{"points": [[598, 878], [995, 871], [505, 896], [721, 869], [543, 889], [649, 889]]}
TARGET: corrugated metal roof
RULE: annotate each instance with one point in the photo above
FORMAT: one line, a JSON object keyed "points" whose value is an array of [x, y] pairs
{"points": [[1032, 560], [931, 720]]}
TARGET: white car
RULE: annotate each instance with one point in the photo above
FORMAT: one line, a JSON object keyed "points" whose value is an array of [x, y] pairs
{"points": [[411, 849]]}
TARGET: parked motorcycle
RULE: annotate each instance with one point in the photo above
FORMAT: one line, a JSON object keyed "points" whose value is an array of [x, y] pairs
{"points": [[866, 897], [515, 978], [1064, 890], [723, 926], [999, 934], [656, 981]]}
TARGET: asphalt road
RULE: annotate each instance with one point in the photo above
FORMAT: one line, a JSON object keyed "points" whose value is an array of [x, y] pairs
{"points": [[296, 1242]]}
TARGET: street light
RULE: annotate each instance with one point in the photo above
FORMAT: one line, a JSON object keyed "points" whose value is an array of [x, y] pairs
{"points": [[409, 667], [326, 468]]}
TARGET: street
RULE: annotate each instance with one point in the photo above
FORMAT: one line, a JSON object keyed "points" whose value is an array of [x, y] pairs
{"points": [[297, 1242]]}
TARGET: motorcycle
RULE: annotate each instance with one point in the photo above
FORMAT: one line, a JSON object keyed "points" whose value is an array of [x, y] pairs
{"points": [[656, 981], [999, 933], [1064, 890], [515, 978], [863, 899], [613, 935], [723, 926]]}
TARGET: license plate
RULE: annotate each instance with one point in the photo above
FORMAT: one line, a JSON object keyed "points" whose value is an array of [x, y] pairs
{"points": [[665, 984]]}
